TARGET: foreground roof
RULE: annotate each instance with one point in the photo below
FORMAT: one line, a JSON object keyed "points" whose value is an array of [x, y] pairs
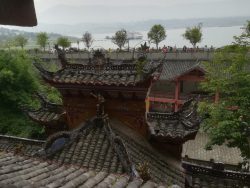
{"points": [[199, 175], [20, 145], [195, 149], [220, 167], [20, 171], [96, 151]]}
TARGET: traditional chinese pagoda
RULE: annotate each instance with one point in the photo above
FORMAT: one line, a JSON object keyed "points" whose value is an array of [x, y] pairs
{"points": [[118, 88], [100, 135], [104, 134]]}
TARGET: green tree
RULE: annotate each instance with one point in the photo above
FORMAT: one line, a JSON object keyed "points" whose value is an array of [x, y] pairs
{"points": [[87, 39], [193, 34], [140, 63], [17, 82], [247, 28], [9, 43], [244, 38], [42, 39], [120, 38], [17, 78], [157, 34], [228, 121], [21, 41], [63, 42]]}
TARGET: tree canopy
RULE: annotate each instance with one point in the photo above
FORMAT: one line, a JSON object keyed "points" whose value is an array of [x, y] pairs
{"points": [[247, 29], [21, 41], [42, 39], [17, 79], [244, 38], [120, 38], [87, 39], [17, 82], [157, 34], [228, 121], [193, 34], [63, 42], [9, 43]]}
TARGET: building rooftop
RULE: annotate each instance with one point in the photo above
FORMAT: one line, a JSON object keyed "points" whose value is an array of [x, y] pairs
{"points": [[99, 72], [21, 171], [113, 75], [179, 126], [195, 149], [95, 149], [174, 69], [47, 113]]}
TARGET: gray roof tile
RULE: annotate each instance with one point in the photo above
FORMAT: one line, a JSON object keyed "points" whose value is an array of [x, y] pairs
{"points": [[116, 75], [179, 126], [195, 149], [173, 69], [42, 174]]}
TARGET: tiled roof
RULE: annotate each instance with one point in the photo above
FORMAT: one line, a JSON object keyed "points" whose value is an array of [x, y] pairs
{"points": [[47, 113], [215, 176], [19, 171], [91, 150], [96, 147], [179, 126], [42, 115], [20, 145], [100, 71], [173, 69], [162, 169], [116, 75], [195, 149]]}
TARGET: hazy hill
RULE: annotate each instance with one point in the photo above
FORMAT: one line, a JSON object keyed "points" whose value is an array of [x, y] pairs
{"points": [[79, 28], [6, 34], [66, 13]]}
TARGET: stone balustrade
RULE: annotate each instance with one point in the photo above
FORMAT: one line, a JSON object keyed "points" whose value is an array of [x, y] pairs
{"points": [[206, 56]]}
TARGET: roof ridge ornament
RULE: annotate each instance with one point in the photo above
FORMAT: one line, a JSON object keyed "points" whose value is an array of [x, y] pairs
{"points": [[45, 74], [61, 56], [62, 139], [100, 104], [181, 125], [120, 148]]}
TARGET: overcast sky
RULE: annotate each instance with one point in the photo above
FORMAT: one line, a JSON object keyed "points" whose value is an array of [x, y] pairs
{"points": [[160, 9]]}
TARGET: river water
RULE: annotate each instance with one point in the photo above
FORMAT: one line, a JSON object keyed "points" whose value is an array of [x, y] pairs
{"points": [[212, 36]]}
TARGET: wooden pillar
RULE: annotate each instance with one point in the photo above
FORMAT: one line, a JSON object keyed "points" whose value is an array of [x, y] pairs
{"points": [[177, 94], [147, 104]]}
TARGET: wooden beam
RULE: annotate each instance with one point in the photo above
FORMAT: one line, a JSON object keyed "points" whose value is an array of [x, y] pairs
{"points": [[192, 78], [162, 100], [165, 100]]}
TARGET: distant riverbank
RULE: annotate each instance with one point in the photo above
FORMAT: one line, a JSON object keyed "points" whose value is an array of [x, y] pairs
{"points": [[212, 36]]}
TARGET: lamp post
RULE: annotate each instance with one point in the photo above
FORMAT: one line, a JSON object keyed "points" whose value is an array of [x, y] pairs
{"points": [[78, 44], [49, 46]]}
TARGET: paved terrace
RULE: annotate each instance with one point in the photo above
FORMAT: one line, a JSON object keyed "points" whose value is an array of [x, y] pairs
{"points": [[205, 56]]}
